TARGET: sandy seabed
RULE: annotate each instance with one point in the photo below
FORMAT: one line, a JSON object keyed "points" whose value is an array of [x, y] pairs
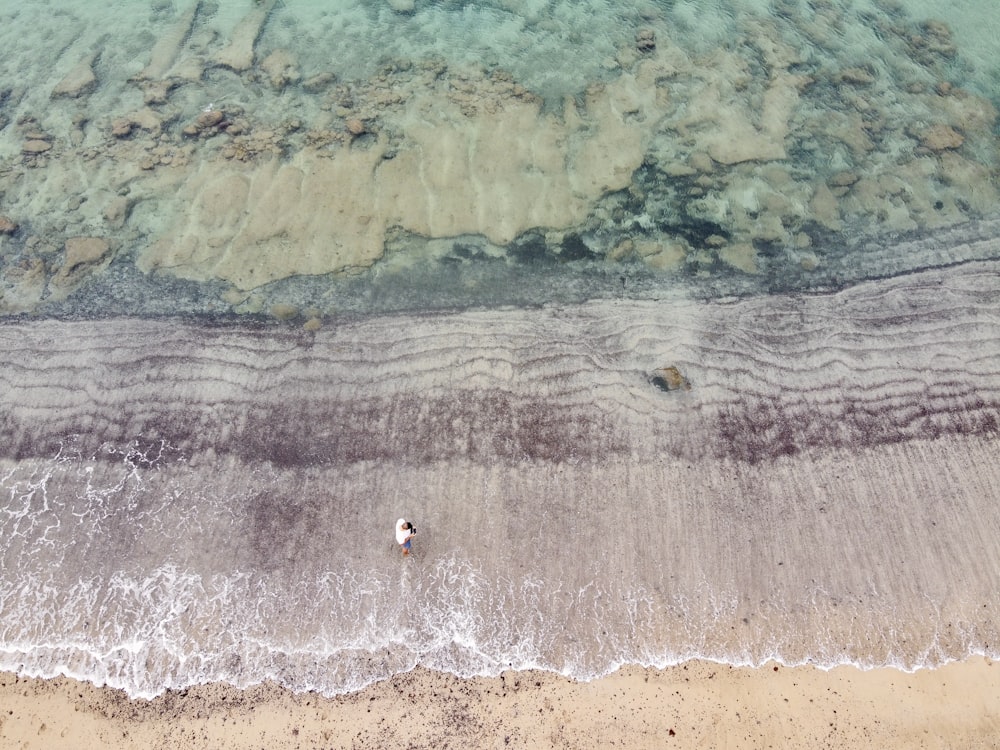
{"points": [[692, 705]]}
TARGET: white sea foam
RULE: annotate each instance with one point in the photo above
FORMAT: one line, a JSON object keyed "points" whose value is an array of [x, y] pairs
{"points": [[342, 629], [149, 656]]}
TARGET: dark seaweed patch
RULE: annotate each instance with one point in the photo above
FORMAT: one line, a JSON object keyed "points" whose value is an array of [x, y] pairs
{"points": [[695, 231], [487, 426], [763, 430], [529, 248], [574, 248]]}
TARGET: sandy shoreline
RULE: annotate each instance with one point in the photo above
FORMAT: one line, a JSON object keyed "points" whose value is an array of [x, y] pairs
{"points": [[791, 212], [836, 504], [697, 704]]}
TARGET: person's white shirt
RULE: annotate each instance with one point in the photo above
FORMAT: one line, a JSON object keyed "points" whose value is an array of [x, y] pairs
{"points": [[402, 534]]}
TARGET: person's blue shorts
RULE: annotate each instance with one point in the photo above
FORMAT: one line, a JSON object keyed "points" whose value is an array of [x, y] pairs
{"points": [[406, 544]]}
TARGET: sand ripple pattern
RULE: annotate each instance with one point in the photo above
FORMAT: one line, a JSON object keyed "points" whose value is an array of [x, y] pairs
{"points": [[184, 501]]}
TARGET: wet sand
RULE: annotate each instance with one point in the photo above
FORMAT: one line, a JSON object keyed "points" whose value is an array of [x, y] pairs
{"points": [[816, 485], [820, 492], [693, 705]]}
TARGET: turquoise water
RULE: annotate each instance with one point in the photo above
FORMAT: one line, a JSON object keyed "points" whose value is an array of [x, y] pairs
{"points": [[288, 167], [532, 151]]}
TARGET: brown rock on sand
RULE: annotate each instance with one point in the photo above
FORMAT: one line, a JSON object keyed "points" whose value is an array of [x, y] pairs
{"points": [[319, 82], [36, 146], [284, 311], [238, 54], [82, 250], [117, 211], [209, 118], [937, 37], [121, 127], [168, 46], [740, 255], [645, 40], [144, 119], [281, 68], [855, 77], [842, 179], [147, 119], [81, 253], [940, 138], [7, 226], [670, 379], [156, 92], [79, 81]]}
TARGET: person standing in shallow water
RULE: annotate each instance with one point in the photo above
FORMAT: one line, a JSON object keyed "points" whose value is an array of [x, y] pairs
{"points": [[404, 532]]}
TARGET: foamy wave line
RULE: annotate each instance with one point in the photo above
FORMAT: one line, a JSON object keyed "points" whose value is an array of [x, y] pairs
{"points": [[165, 644], [302, 673]]}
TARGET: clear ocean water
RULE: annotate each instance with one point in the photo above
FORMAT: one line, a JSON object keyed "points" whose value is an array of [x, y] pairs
{"points": [[273, 166]]}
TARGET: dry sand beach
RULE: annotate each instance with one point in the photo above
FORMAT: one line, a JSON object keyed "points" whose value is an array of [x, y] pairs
{"points": [[694, 705], [674, 327]]}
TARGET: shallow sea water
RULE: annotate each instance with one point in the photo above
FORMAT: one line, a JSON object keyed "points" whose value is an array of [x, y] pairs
{"points": [[265, 170]]}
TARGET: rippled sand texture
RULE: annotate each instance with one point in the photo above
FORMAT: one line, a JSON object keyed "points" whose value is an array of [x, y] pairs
{"points": [[813, 480], [219, 151]]}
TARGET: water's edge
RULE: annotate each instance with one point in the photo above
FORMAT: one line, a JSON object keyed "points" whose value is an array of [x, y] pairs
{"points": [[786, 478]]}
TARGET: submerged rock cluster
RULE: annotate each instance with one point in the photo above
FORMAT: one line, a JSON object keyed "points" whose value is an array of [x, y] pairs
{"points": [[680, 159]]}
